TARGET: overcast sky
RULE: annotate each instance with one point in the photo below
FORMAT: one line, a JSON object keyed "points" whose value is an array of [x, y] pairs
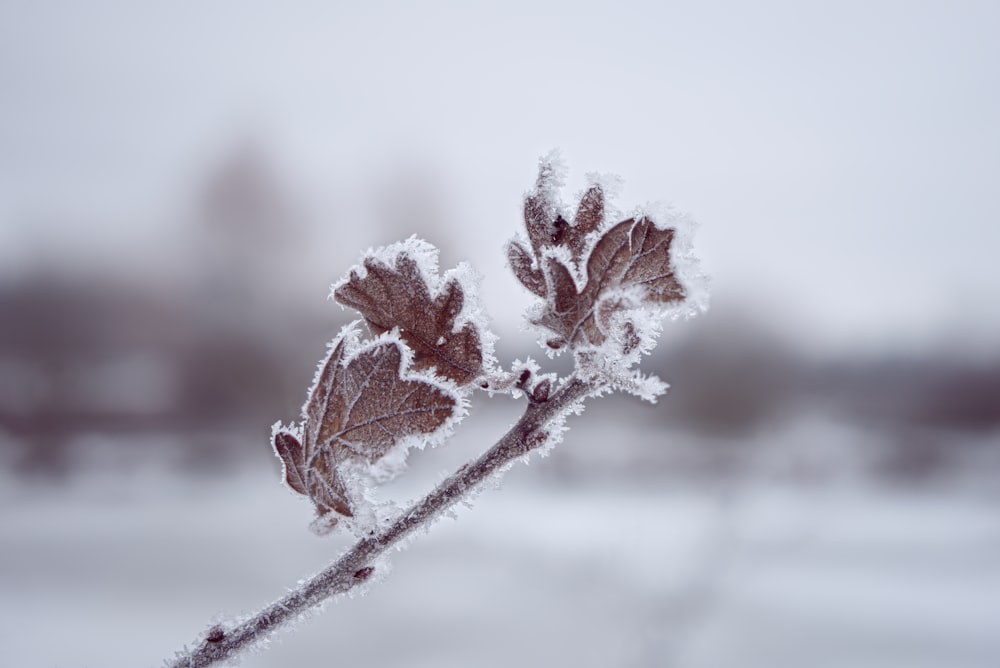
{"points": [[843, 158]]}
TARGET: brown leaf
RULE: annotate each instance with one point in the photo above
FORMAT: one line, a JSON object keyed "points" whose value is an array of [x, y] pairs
{"points": [[540, 210], [381, 407], [630, 261], [565, 308], [359, 406], [397, 296], [589, 216], [547, 228], [590, 213], [323, 407], [520, 262], [319, 480], [292, 457], [325, 484], [632, 254], [635, 252]]}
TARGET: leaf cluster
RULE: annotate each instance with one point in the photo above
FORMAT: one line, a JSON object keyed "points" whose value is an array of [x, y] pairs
{"points": [[598, 278], [593, 275], [603, 283], [370, 397]]}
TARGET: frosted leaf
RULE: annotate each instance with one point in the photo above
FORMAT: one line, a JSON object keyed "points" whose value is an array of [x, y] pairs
{"points": [[293, 460], [632, 258], [541, 205], [686, 265], [587, 224], [365, 401], [376, 403], [605, 285], [524, 267], [398, 288]]}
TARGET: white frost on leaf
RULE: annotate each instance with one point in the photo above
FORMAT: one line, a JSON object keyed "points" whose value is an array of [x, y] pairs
{"points": [[552, 171], [686, 265], [474, 312], [423, 253]]}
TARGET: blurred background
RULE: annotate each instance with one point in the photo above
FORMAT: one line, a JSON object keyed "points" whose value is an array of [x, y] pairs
{"points": [[181, 182]]}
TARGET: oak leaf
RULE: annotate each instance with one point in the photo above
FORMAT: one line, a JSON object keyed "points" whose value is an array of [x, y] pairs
{"points": [[361, 405], [632, 257], [619, 268], [398, 297]]}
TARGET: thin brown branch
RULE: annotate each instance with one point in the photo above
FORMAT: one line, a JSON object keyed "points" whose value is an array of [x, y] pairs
{"points": [[355, 566]]}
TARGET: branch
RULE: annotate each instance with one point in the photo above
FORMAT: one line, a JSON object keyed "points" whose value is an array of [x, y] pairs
{"points": [[354, 567]]}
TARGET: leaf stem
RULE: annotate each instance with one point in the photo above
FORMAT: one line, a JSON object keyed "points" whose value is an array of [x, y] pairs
{"points": [[354, 567]]}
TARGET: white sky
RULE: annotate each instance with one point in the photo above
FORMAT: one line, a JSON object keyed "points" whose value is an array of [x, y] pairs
{"points": [[843, 158]]}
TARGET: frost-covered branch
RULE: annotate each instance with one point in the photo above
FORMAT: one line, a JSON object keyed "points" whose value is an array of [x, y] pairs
{"points": [[603, 285], [355, 566]]}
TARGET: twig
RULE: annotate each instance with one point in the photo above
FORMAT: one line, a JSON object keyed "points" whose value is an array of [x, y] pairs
{"points": [[354, 567]]}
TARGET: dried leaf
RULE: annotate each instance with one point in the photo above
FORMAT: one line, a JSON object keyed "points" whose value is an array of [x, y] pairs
{"points": [[323, 407], [565, 307], [635, 253], [361, 405], [319, 480], [292, 457], [380, 407], [398, 296], [521, 264], [589, 217], [632, 255], [541, 210], [546, 226], [326, 486]]}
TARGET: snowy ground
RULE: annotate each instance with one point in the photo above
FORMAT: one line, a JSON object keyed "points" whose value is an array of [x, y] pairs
{"points": [[122, 571]]}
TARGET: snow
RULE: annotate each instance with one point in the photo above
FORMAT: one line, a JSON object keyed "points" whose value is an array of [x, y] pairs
{"points": [[125, 571]]}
